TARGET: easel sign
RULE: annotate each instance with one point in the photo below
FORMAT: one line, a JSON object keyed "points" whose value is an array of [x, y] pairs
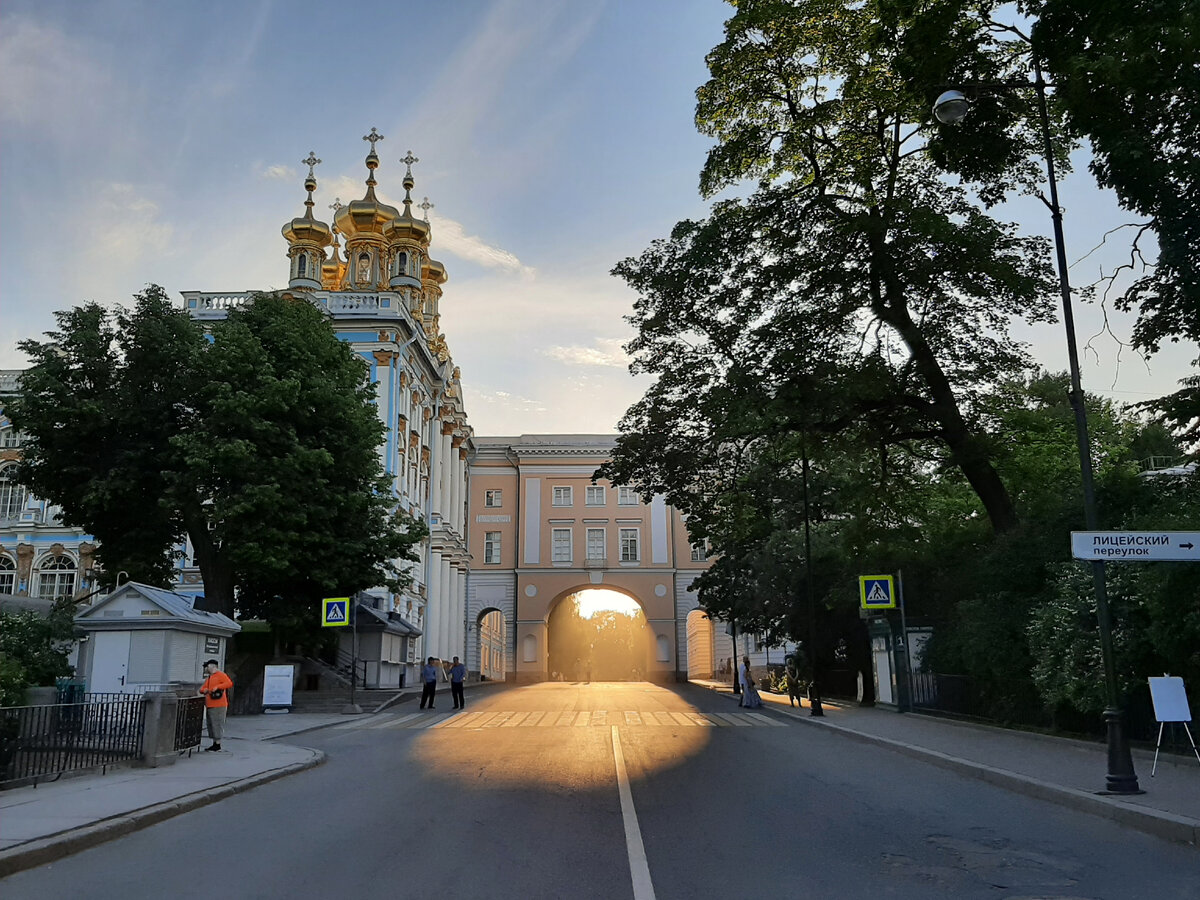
{"points": [[1170, 705]]}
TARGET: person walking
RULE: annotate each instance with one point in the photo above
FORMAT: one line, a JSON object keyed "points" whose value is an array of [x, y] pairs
{"points": [[458, 672], [216, 688], [750, 698], [429, 674]]}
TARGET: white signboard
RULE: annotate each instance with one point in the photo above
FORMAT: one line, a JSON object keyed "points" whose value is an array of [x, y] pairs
{"points": [[1136, 546], [1170, 699], [277, 687]]}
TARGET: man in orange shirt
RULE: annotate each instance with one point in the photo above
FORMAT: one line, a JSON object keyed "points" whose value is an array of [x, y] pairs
{"points": [[215, 689]]}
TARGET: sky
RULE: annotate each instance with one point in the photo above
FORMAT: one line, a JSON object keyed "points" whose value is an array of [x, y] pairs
{"points": [[555, 138]]}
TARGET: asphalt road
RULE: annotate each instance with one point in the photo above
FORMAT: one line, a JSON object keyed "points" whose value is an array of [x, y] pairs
{"points": [[521, 797]]}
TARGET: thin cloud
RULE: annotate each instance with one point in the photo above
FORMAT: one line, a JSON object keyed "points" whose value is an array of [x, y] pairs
{"points": [[504, 400], [607, 352], [450, 236], [281, 173]]}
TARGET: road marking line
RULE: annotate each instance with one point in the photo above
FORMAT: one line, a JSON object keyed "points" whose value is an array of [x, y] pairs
{"points": [[731, 718], [497, 720], [549, 719], [599, 717], [632, 717], [760, 719], [711, 719], [583, 717], [515, 720], [664, 718], [461, 721], [566, 718], [533, 718], [639, 868], [683, 719]]}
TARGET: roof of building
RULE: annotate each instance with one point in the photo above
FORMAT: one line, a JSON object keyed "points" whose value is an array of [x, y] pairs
{"points": [[178, 606]]}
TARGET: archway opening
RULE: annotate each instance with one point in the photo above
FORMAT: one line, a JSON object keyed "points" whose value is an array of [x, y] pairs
{"points": [[700, 649], [492, 634], [598, 635]]}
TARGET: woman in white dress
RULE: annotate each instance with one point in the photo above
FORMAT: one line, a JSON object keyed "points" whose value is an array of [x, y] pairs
{"points": [[750, 698]]}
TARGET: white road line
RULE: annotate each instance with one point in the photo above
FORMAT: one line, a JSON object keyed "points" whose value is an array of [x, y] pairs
{"points": [[515, 720], [400, 720], [460, 721], [533, 718], [632, 717], [639, 869], [683, 720], [760, 719], [731, 718], [664, 718]]}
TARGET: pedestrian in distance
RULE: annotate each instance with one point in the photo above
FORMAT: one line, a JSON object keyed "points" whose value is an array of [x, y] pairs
{"points": [[458, 672], [216, 688], [429, 675], [750, 698]]}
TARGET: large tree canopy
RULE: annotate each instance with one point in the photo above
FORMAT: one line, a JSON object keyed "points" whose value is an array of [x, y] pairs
{"points": [[853, 272], [259, 442]]}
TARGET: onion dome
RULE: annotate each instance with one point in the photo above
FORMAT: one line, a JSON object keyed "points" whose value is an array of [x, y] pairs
{"points": [[406, 226], [307, 237], [333, 269], [433, 271], [366, 217]]}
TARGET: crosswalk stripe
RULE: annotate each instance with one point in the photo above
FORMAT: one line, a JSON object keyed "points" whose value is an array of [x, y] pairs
{"points": [[664, 718], [583, 718], [683, 719], [533, 718], [633, 717], [765, 720], [497, 720], [460, 721], [599, 716], [566, 718], [515, 719], [731, 718], [709, 719], [549, 719]]}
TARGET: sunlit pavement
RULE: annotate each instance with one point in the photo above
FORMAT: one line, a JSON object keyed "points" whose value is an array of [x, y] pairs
{"points": [[616, 807]]}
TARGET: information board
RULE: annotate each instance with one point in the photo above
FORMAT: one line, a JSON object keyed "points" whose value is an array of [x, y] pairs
{"points": [[277, 687], [1170, 699]]}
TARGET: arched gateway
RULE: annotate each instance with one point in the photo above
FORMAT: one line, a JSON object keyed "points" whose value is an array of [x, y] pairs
{"points": [[541, 530]]}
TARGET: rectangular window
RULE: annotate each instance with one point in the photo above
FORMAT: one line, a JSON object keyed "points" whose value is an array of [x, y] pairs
{"points": [[700, 551], [595, 543], [627, 496], [561, 540], [630, 551], [491, 547], [595, 495], [493, 498], [562, 496]]}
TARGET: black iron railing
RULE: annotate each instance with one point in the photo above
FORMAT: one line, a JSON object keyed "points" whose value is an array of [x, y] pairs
{"points": [[189, 723], [37, 742]]}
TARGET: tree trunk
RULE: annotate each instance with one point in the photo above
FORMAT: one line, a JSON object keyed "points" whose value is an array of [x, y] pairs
{"points": [[214, 566]]}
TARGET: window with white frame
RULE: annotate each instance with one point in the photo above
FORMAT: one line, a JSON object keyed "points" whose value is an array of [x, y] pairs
{"points": [[491, 547], [627, 496], [8, 576], [630, 545], [55, 577], [493, 498], [12, 494], [9, 437], [595, 495], [595, 543], [560, 540], [700, 551], [562, 497]]}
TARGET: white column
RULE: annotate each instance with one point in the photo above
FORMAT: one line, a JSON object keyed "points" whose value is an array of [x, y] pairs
{"points": [[446, 613], [463, 634], [455, 490], [447, 474], [433, 579]]}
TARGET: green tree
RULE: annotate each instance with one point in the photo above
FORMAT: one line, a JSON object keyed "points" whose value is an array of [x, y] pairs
{"points": [[259, 442], [34, 649]]}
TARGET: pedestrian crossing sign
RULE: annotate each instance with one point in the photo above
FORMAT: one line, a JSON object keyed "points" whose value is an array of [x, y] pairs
{"points": [[877, 591], [335, 611]]}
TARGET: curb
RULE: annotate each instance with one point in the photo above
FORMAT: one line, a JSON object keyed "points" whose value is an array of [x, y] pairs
{"points": [[1180, 829], [49, 849]]}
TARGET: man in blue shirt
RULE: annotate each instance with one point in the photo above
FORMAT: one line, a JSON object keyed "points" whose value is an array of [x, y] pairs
{"points": [[429, 674], [457, 673]]}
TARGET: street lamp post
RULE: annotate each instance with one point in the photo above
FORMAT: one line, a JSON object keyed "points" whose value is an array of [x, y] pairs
{"points": [[949, 109], [814, 686]]}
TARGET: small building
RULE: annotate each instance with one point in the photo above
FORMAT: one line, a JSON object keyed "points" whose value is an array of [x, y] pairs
{"points": [[142, 638], [387, 644]]}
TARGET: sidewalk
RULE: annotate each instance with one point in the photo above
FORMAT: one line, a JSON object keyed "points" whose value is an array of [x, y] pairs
{"points": [[55, 819], [1060, 770]]}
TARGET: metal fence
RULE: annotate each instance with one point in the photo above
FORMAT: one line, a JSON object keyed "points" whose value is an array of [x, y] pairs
{"points": [[37, 742], [189, 723], [950, 694]]}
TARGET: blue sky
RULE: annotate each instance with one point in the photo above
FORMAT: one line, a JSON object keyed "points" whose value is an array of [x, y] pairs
{"points": [[160, 142]]}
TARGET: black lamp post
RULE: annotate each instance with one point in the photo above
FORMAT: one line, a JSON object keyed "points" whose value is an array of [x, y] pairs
{"points": [[949, 109], [814, 688]]}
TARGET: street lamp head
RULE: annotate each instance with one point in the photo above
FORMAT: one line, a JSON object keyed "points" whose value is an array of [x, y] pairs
{"points": [[951, 107]]}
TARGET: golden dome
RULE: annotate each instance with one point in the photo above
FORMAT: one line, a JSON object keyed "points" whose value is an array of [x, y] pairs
{"points": [[305, 228], [366, 216], [434, 271], [406, 225]]}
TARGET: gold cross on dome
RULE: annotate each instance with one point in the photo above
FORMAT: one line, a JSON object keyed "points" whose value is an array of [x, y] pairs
{"points": [[336, 204], [427, 206], [373, 137], [310, 162], [408, 161]]}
